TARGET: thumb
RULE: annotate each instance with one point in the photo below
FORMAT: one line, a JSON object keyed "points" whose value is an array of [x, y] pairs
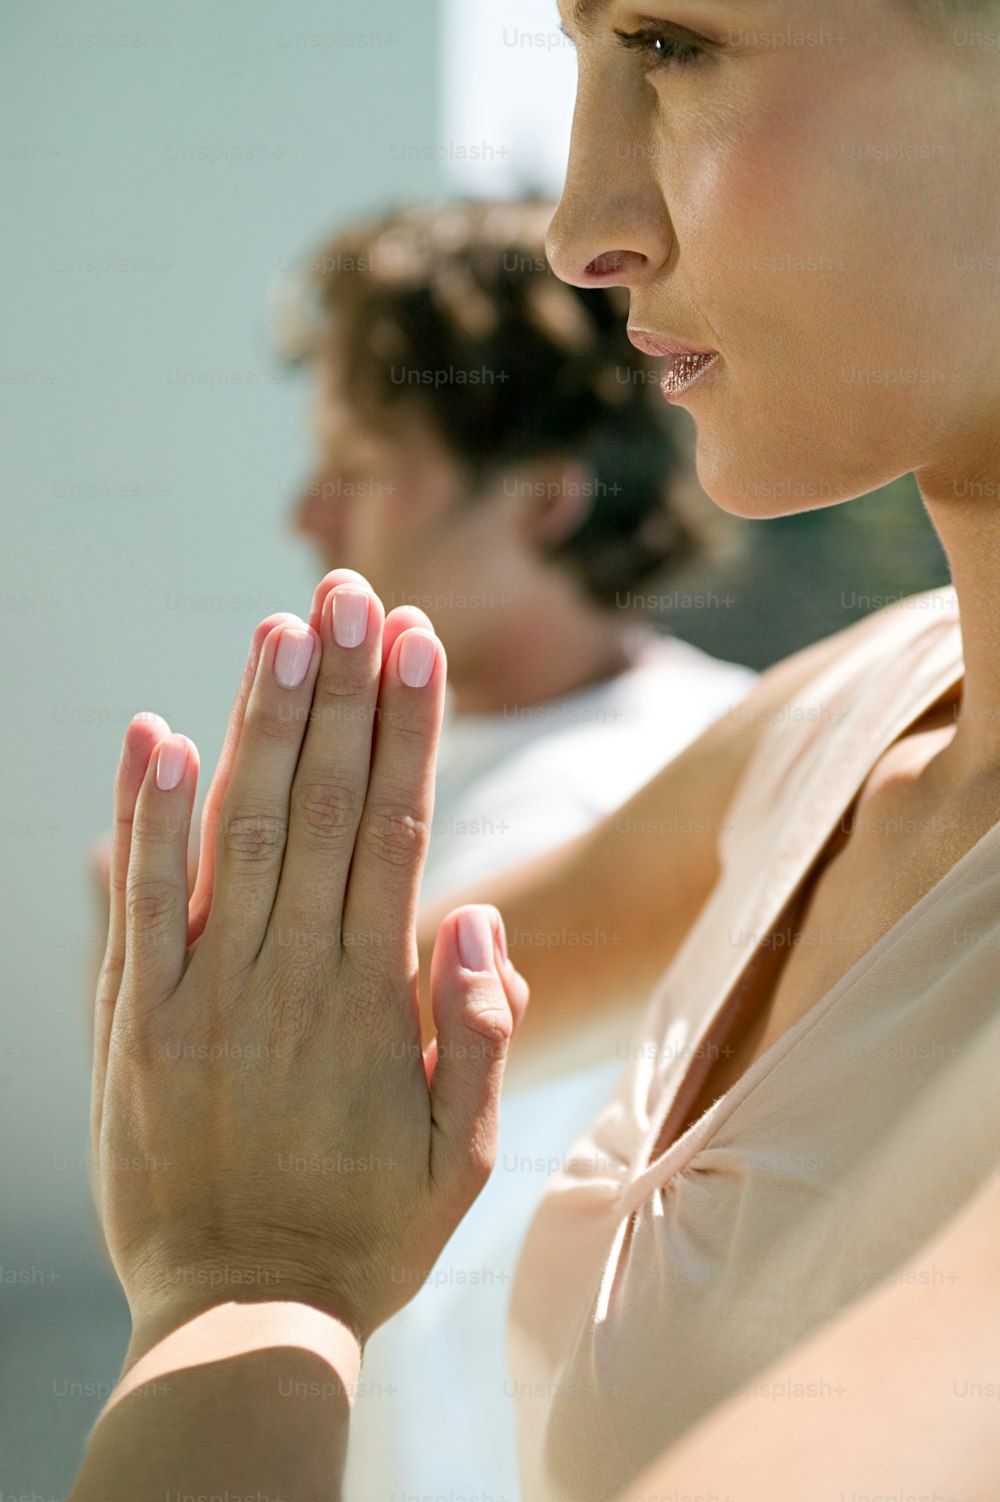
{"points": [[477, 1000]]}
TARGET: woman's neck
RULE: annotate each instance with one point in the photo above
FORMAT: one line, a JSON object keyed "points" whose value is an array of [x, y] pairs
{"points": [[966, 517]]}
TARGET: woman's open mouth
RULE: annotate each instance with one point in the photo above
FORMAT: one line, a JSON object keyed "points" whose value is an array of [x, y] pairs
{"points": [[685, 364], [683, 371]]}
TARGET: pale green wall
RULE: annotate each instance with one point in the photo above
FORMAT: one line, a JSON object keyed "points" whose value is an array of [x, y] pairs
{"points": [[96, 160]]}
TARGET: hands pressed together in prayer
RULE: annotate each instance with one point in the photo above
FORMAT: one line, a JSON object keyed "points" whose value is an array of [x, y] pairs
{"points": [[279, 1161], [265, 1118]]}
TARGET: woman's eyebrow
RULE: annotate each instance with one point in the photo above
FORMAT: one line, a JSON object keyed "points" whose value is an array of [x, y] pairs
{"points": [[587, 13]]}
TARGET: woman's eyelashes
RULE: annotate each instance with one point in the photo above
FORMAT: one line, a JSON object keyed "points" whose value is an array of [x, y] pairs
{"points": [[666, 47]]}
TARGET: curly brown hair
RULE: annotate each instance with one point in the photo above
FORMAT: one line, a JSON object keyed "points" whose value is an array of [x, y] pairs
{"points": [[454, 309]]}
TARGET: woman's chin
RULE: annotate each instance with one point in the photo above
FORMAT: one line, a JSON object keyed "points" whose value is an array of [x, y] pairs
{"points": [[759, 492]]}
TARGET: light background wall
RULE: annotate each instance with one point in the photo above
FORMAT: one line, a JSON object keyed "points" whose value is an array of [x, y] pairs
{"points": [[149, 446], [509, 85]]}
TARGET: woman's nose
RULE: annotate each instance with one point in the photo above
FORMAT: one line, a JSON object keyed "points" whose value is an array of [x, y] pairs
{"points": [[609, 268], [611, 227]]}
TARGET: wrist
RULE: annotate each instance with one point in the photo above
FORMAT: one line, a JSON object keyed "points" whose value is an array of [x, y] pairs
{"points": [[171, 1338], [253, 1397]]}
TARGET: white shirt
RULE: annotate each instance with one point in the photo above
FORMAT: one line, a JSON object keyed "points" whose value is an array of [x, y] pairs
{"points": [[434, 1414], [512, 785]]}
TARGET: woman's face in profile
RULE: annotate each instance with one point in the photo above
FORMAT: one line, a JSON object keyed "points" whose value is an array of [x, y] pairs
{"points": [[810, 190]]}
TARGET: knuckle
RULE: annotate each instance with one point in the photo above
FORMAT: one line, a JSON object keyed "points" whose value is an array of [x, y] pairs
{"points": [[151, 907], [411, 730], [339, 707], [152, 826], [279, 724], [253, 840], [327, 811], [393, 833], [492, 1026], [336, 688]]}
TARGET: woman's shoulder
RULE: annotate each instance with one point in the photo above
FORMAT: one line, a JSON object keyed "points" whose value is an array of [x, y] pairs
{"points": [[832, 699], [757, 756], [868, 644]]}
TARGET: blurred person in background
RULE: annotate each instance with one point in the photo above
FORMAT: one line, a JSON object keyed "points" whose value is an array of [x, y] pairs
{"points": [[492, 448]]}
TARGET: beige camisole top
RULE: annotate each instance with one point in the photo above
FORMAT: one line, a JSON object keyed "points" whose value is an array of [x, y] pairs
{"points": [[650, 1288]]}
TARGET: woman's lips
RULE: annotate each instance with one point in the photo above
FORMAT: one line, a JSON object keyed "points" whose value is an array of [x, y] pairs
{"points": [[683, 371], [686, 364]]}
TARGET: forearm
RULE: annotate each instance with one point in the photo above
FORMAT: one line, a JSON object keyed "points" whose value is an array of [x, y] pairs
{"points": [[240, 1400]]}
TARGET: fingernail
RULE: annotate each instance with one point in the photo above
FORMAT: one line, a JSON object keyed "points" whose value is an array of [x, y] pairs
{"points": [[475, 939], [416, 658], [501, 936], [171, 759], [350, 617], [292, 659]]}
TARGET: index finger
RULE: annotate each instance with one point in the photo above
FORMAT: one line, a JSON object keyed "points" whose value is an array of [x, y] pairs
{"points": [[201, 896], [144, 733], [383, 887]]}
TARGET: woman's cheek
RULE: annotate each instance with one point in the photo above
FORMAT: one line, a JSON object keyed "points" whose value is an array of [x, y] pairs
{"points": [[731, 249], [736, 200]]}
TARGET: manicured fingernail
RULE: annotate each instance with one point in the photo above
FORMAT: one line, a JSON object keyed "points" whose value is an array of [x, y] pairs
{"points": [[416, 658], [475, 939], [171, 759], [501, 937], [350, 617], [292, 659]]}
